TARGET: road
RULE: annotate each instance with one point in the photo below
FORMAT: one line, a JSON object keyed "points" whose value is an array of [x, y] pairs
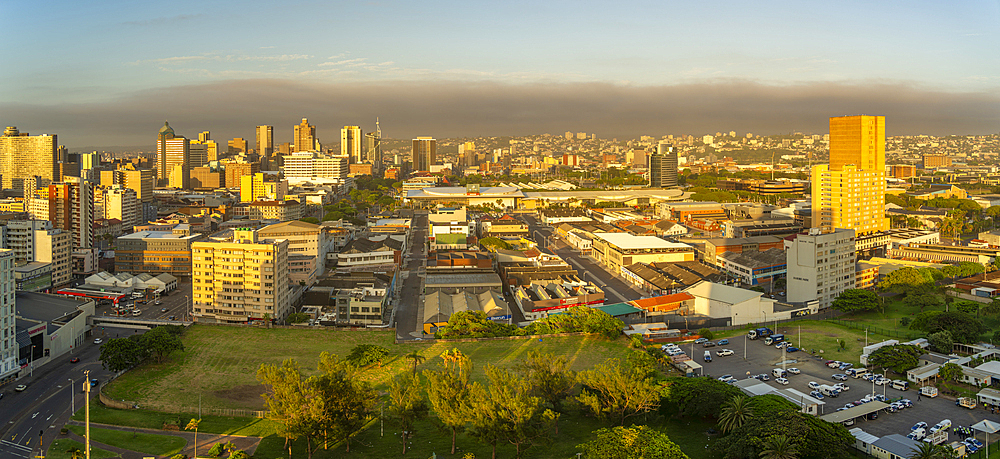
{"points": [[410, 294], [616, 289], [47, 403], [177, 304]]}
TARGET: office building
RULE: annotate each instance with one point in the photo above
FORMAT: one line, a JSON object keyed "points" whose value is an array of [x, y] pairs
{"points": [[198, 155], [236, 169], [663, 166], [238, 278], [23, 156], [237, 146], [850, 191], [373, 148], [933, 161], [304, 137], [37, 241], [904, 171], [205, 178], [9, 365], [281, 211], [140, 180], [350, 144], [820, 265], [262, 187], [424, 153], [71, 208], [308, 245], [309, 165], [89, 163], [211, 147], [156, 252], [616, 250], [265, 146], [173, 155]]}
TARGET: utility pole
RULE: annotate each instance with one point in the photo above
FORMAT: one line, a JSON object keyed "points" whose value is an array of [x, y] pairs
{"points": [[86, 416]]}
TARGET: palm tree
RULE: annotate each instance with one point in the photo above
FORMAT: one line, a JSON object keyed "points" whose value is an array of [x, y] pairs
{"points": [[418, 358], [779, 447], [734, 413], [193, 425], [931, 451]]}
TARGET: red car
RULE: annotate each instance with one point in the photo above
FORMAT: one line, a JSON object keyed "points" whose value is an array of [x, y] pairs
{"points": [[74, 360]]}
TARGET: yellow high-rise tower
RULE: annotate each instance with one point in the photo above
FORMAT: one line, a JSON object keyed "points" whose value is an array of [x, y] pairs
{"points": [[850, 192]]}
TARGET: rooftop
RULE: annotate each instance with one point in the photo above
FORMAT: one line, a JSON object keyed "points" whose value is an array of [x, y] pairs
{"points": [[43, 307], [722, 292], [158, 235], [628, 241]]}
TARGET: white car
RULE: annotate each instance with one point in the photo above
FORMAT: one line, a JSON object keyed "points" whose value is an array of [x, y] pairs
{"points": [[98, 341], [882, 381], [814, 385], [843, 387], [793, 371], [724, 352], [943, 425], [781, 381]]}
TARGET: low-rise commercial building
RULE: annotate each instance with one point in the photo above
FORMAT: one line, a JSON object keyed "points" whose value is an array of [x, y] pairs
{"points": [[372, 251], [617, 250], [157, 252], [755, 268]]}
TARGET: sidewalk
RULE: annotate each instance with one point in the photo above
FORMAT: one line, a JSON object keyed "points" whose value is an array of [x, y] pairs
{"points": [[205, 440]]}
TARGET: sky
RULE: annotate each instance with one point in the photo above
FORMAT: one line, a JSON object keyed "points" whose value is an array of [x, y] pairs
{"points": [[110, 72]]}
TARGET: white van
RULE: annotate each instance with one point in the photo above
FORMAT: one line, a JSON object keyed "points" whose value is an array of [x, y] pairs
{"points": [[829, 391], [858, 372], [899, 384], [779, 373]]}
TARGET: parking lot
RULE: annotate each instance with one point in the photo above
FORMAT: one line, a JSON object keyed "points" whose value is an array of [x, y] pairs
{"points": [[761, 358]]}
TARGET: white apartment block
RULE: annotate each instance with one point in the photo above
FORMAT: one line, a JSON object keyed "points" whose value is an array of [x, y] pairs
{"points": [[37, 241], [8, 355], [239, 278], [820, 266], [307, 165], [118, 202]]}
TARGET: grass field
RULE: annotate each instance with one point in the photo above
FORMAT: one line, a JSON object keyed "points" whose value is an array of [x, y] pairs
{"points": [[160, 445], [219, 366], [146, 419], [819, 338], [58, 450]]}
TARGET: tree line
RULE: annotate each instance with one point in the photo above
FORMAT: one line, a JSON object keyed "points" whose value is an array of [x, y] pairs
{"points": [[518, 405], [475, 324], [119, 354]]}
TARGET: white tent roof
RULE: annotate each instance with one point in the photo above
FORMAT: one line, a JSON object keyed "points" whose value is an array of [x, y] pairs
{"points": [[987, 426]]}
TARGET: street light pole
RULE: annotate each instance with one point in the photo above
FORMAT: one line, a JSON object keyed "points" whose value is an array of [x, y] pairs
{"points": [[31, 371], [72, 399]]}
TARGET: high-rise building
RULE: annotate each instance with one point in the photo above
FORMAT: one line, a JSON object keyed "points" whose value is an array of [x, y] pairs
{"points": [[23, 156], [10, 353], [820, 265], [211, 147], [140, 180], [373, 149], [71, 208], [262, 187], [236, 169], [309, 165], [206, 178], [173, 155], [89, 163], [156, 252], [37, 241], [424, 153], [350, 144], [239, 278], [198, 154], [850, 192], [237, 146], [265, 146], [117, 201], [304, 137], [663, 166]]}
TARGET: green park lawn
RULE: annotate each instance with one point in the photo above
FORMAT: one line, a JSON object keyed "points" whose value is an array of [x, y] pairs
{"points": [[218, 367], [160, 445], [59, 450], [819, 338]]}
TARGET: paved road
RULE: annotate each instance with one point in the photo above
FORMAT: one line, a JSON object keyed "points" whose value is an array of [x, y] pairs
{"points": [[616, 289], [410, 296], [46, 405], [762, 359], [177, 304]]}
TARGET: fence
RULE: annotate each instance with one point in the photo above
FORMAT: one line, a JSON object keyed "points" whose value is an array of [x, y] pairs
{"points": [[890, 332], [174, 409]]}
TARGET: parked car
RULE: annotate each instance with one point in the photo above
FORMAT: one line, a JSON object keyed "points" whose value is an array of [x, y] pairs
{"points": [[726, 378], [834, 363], [157, 302], [919, 425], [840, 377], [843, 387], [974, 441], [724, 352], [794, 371], [816, 395], [845, 365], [763, 377], [723, 342], [700, 340], [781, 381], [814, 385], [944, 424], [708, 344], [163, 309], [791, 349]]}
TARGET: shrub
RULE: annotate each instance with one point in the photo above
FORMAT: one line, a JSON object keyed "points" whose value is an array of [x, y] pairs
{"points": [[905, 321], [706, 333]]}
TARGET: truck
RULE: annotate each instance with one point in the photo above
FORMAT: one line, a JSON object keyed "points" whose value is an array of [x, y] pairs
{"points": [[829, 391], [937, 437], [966, 402], [757, 333], [929, 391], [774, 339]]}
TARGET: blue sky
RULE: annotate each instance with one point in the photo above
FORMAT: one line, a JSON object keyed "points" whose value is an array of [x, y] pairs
{"points": [[100, 52]]}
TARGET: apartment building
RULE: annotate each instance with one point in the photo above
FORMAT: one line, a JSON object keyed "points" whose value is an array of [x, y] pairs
{"points": [[36, 241], [240, 278], [307, 248], [820, 265], [9, 355]]}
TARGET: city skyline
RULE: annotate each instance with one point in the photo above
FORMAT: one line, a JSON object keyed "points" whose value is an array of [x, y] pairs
{"points": [[501, 70]]}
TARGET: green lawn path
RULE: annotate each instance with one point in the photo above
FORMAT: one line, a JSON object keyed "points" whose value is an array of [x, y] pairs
{"points": [[160, 445], [58, 450]]}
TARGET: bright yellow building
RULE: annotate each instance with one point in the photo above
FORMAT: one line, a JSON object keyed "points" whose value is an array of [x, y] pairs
{"points": [[258, 187], [850, 192]]}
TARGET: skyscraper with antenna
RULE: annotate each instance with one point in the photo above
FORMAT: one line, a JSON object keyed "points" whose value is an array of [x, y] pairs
{"points": [[373, 149]]}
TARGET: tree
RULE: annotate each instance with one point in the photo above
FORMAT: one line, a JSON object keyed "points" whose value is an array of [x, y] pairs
{"points": [[698, 397], [577, 319], [926, 450], [495, 243], [779, 447], [897, 358], [407, 404], [346, 401], [856, 300], [922, 300], [941, 341], [905, 280], [193, 425], [120, 354], [285, 397], [823, 440], [417, 358], [969, 307], [160, 342], [448, 391], [549, 377], [734, 413], [950, 372], [994, 307], [636, 442], [297, 318], [706, 333], [505, 410], [363, 355], [963, 327], [475, 324], [617, 391]]}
